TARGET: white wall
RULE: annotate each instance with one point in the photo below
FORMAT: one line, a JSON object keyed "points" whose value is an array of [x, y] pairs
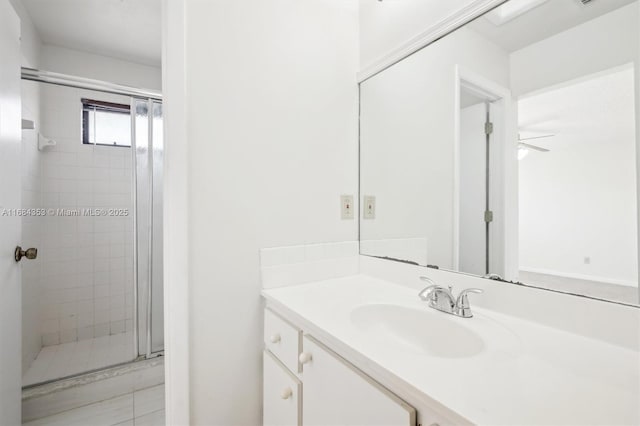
{"points": [[30, 42], [407, 140], [37, 53], [386, 25], [609, 41], [579, 199], [605, 42], [271, 97], [83, 64], [637, 117]]}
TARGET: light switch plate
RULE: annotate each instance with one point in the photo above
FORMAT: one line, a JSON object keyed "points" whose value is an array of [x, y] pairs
{"points": [[369, 207], [346, 207]]}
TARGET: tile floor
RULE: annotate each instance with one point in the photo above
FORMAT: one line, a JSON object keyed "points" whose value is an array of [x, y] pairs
{"points": [[57, 361], [140, 408]]}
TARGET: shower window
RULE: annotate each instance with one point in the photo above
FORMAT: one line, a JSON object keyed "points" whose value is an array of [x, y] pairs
{"points": [[106, 123]]}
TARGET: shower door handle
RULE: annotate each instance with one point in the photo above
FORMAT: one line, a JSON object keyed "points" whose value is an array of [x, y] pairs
{"points": [[30, 253]]}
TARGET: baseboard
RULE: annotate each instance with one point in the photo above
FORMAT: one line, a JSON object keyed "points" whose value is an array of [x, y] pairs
{"points": [[580, 276]]}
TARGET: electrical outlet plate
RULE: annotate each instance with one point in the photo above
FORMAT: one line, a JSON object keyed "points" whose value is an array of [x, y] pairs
{"points": [[369, 204], [346, 207]]}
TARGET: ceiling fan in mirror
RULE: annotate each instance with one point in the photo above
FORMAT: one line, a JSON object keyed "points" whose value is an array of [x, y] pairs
{"points": [[524, 147]]}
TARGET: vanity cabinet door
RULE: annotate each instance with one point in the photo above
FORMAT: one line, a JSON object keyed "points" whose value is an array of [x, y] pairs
{"points": [[336, 393], [281, 394]]}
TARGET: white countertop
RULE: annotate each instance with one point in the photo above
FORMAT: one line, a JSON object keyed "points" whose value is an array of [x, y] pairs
{"points": [[525, 373]]}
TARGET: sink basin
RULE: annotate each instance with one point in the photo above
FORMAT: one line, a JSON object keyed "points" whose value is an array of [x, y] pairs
{"points": [[426, 331]]}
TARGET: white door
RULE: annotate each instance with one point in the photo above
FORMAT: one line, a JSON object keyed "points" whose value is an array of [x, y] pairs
{"points": [[10, 291], [473, 168], [335, 393]]}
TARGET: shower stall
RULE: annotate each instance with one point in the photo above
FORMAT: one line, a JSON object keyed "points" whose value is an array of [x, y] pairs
{"points": [[92, 154]]}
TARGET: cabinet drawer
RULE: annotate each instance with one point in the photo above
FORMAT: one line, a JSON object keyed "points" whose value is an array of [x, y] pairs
{"points": [[282, 339], [281, 394]]}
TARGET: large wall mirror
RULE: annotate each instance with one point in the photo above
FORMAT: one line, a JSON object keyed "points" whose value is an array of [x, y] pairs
{"points": [[508, 149]]}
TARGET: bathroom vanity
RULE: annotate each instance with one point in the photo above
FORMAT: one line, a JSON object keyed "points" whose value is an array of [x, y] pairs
{"points": [[501, 156], [335, 392], [363, 349]]}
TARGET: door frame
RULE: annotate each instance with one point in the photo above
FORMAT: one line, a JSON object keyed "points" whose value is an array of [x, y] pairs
{"points": [[504, 236], [176, 213]]}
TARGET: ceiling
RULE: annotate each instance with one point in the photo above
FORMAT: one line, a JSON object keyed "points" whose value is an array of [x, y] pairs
{"points": [[543, 21], [597, 110], [125, 29]]}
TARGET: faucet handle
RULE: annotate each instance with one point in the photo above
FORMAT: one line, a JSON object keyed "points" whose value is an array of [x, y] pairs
{"points": [[462, 297], [425, 293], [462, 302]]}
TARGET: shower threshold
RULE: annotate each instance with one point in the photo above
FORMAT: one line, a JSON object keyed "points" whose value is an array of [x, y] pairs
{"points": [[91, 389], [65, 360]]}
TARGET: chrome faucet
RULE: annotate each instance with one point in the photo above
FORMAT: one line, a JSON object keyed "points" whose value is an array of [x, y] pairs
{"points": [[442, 299]]}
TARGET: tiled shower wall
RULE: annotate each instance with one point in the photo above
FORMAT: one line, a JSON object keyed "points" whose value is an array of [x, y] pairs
{"points": [[86, 261]]}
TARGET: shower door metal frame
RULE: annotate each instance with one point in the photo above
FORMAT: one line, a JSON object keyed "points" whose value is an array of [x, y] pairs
{"points": [[144, 156], [67, 80]]}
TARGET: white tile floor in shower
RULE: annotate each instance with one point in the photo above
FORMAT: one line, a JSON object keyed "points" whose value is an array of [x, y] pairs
{"points": [[141, 408], [56, 361]]}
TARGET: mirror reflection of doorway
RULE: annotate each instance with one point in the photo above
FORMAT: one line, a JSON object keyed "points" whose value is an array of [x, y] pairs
{"points": [[475, 165], [481, 164]]}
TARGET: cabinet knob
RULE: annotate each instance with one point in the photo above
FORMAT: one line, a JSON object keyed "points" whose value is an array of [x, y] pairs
{"points": [[286, 394], [305, 357], [275, 338]]}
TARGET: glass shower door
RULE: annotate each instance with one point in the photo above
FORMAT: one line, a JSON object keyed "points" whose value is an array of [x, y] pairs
{"points": [[79, 297], [149, 150]]}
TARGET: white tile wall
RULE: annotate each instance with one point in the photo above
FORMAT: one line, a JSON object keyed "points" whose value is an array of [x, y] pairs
{"points": [[282, 266], [87, 262]]}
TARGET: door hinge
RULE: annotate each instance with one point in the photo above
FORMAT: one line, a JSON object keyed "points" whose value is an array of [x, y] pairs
{"points": [[488, 216], [488, 128]]}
